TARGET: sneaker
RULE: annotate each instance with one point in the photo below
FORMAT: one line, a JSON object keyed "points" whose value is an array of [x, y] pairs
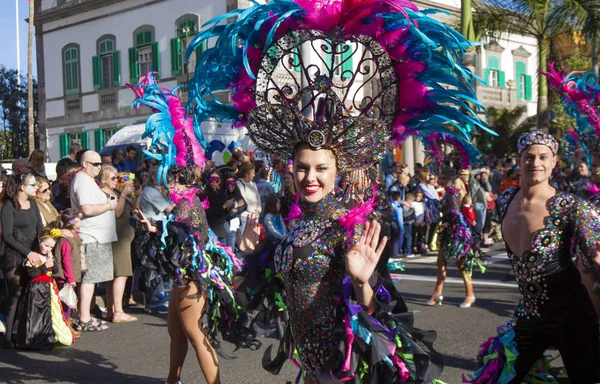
{"points": [[2, 326], [410, 256], [161, 310]]}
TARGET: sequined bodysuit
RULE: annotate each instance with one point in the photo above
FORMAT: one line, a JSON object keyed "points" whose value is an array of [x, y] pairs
{"points": [[311, 260], [546, 274]]}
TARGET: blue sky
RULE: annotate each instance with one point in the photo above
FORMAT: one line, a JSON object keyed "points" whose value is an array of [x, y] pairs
{"points": [[8, 43]]}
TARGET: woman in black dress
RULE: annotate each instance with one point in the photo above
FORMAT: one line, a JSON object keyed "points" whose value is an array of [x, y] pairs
{"points": [[21, 226]]}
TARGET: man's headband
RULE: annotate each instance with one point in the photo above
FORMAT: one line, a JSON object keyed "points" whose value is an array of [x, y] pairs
{"points": [[539, 137]]}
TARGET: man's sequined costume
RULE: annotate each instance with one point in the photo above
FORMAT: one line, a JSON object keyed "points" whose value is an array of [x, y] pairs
{"points": [[555, 309]]}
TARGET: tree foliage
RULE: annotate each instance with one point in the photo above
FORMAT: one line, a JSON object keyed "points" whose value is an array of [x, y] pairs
{"points": [[13, 109], [509, 125]]}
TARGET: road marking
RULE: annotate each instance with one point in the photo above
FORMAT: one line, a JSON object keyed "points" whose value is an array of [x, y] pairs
{"points": [[495, 259], [453, 280]]}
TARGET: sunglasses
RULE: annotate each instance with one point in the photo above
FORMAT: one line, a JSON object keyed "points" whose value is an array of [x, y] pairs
{"points": [[214, 179], [230, 183], [114, 178], [44, 190], [94, 164]]}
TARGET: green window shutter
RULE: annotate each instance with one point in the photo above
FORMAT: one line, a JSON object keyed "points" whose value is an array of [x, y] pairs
{"points": [[64, 145], [97, 71], [520, 71], [328, 57], [71, 70], [527, 87], [346, 59], [486, 76], [134, 68], [199, 51], [98, 140], [156, 58], [296, 62], [85, 140], [176, 56], [493, 63], [116, 62], [501, 79]]}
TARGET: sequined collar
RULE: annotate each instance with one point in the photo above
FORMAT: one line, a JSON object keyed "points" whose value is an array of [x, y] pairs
{"points": [[327, 208]]}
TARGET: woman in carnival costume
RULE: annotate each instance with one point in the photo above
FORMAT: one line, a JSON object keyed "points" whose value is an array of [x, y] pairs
{"points": [[540, 226], [581, 99], [355, 72], [202, 307], [458, 240]]}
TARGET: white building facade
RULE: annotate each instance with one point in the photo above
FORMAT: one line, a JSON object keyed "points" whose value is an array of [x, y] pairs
{"points": [[87, 50]]}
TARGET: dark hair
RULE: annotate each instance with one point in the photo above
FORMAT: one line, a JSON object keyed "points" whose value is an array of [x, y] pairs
{"points": [[263, 173], [181, 175], [130, 148], [62, 166], [395, 195], [67, 216], [245, 169], [271, 205], [79, 155], [13, 187]]}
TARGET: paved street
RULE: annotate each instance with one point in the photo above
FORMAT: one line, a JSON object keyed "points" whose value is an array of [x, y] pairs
{"points": [[138, 353]]}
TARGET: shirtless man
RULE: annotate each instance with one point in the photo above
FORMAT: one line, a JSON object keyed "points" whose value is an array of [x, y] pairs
{"points": [[540, 225]]}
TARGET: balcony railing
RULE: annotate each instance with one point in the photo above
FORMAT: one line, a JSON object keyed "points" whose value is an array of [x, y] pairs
{"points": [[497, 97]]}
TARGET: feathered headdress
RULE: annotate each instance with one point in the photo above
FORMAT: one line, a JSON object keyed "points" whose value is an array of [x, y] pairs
{"points": [[175, 140], [464, 153], [581, 99], [339, 74]]}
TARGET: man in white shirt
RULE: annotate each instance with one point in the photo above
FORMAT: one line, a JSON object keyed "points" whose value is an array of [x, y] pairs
{"points": [[97, 233]]}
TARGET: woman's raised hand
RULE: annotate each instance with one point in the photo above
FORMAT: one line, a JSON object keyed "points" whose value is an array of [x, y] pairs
{"points": [[249, 240], [362, 258]]}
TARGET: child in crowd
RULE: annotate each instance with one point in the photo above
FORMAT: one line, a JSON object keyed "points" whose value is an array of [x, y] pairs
{"points": [[39, 321], [420, 226], [397, 224], [409, 218], [69, 252], [467, 209], [273, 221]]}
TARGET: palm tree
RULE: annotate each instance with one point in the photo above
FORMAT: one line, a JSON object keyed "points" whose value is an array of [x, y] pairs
{"points": [[542, 19], [587, 15]]}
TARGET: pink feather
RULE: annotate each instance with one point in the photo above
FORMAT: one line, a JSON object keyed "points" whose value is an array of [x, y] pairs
{"points": [[295, 211], [411, 94], [184, 126], [593, 188], [358, 215], [205, 204], [177, 197]]}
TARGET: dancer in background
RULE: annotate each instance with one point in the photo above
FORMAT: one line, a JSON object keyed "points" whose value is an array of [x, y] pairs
{"points": [[540, 225], [180, 247]]}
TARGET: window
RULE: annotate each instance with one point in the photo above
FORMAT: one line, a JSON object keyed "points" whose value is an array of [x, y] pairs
{"points": [[101, 137], [342, 61], [144, 56], [186, 30], [493, 76], [523, 81], [145, 59], [107, 64], [71, 69]]}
